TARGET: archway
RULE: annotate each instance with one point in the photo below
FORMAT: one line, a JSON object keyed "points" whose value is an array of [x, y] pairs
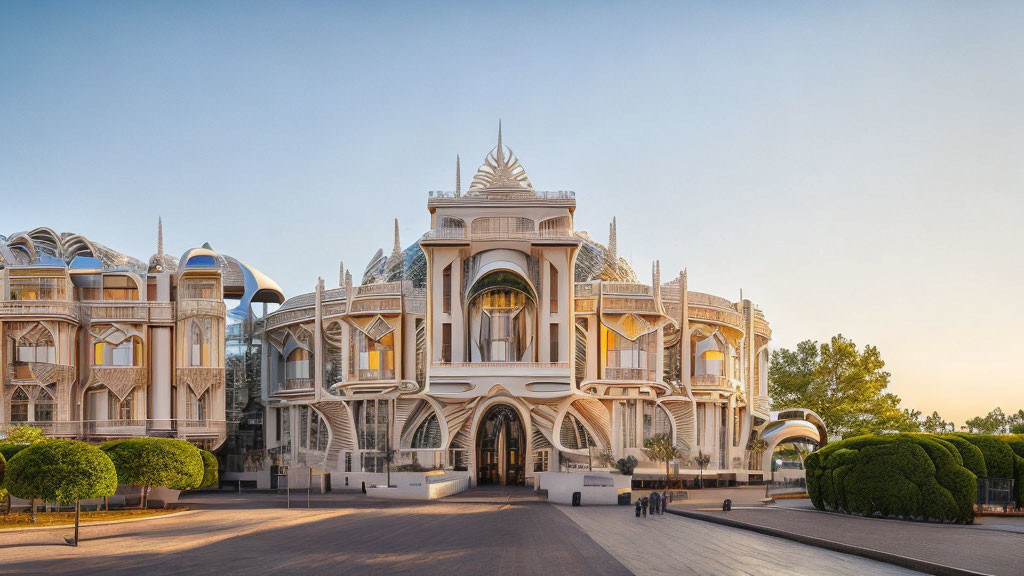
{"points": [[501, 448]]}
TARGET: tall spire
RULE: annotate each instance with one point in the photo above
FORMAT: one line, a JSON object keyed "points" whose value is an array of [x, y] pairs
{"points": [[613, 244], [501, 151], [398, 243], [160, 237], [341, 274], [458, 176]]}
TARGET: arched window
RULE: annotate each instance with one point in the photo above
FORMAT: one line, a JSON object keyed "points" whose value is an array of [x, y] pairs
{"points": [[574, 435], [120, 409], [200, 345], [428, 433], [376, 357], [196, 406], [44, 406], [656, 420], [38, 349], [19, 405]]}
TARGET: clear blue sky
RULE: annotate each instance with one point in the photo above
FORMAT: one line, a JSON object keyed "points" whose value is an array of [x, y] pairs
{"points": [[853, 167]]}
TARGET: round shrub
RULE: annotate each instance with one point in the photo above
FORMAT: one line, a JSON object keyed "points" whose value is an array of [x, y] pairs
{"points": [[210, 474], [973, 459], [9, 450], [60, 471], [148, 462], [1015, 442], [901, 475], [998, 454]]}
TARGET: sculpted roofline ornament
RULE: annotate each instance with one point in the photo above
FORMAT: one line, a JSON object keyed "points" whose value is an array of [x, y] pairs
{"points": [[500, 173]]}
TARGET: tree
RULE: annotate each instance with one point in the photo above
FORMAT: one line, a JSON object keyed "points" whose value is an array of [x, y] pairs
{"points": [[661, 449], [63, 471], [5, 498], [843, 385], [626, 465], [24, 435], [934, 424], [149, 462], [995, 422], [702, 460], [1016, 422]]}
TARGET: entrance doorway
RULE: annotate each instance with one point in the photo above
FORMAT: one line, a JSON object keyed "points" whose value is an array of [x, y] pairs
{"points": [[501, 448]]}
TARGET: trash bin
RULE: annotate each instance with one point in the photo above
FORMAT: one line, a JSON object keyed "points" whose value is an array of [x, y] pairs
{"points": [[577, 497], [726, 505]]}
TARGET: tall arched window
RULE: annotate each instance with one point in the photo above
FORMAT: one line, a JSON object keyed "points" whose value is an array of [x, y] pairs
{"points": [[19, 405], [44, 406], [200, 345], [196, 406], [428, 434], [297, 364], [127, 353]]}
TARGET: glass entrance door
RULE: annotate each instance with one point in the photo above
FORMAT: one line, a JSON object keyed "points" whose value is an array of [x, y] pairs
{"points": [[501, 448]]}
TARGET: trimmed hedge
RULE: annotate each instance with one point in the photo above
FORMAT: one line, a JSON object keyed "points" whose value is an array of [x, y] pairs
{"points": [[60, 471], [211, 476], [912, 476], [974, 459], [1016, 443], [148, 462], [998, 454], [9, 450]]}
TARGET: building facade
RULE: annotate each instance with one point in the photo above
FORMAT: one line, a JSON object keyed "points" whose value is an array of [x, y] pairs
{"points": [[99, 345], [505, 342]]}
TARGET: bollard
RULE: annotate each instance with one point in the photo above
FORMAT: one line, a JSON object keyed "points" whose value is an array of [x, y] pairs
{"points": [[726, 505], [364, 487]]}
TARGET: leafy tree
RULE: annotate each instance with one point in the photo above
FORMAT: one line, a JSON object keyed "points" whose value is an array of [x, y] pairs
{"points": [[702, 460], [843, 385], [211, 476], [934, 424], [149, 462], [24, 435], [63, 471], [1016, 422], [995, 422], [661, 449]]}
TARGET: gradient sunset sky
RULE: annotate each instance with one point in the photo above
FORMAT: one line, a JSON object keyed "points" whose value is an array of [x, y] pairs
{"points": [[853, 167]]}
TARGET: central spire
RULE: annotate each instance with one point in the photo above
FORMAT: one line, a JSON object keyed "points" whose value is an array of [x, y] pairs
{"points": [[500, 172]]}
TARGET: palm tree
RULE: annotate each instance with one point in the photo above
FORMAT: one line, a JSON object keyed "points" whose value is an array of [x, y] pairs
{"points": [[661, 449], [702, 460]]}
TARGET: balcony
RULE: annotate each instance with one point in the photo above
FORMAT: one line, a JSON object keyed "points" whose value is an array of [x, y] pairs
{"points": [[32, 309], [150, 312], [124, 428], [639, 374], [713, 381], [500, 235], [484, 369], [190, 308]]}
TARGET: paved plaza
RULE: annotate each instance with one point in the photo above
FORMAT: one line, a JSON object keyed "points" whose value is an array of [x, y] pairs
{"points": [[496, 531]]}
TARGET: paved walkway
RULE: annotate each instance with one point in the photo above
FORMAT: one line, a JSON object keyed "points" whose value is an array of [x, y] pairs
{"points": [[342, 534], [673, 545], [979, 548]]}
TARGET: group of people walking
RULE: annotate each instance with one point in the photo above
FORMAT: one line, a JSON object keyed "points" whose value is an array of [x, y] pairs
{"points": [[656, 504]]}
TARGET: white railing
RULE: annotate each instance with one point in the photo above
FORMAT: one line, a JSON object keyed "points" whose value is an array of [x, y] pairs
{"points": [[384, 288], [40, 308], [501, 364], [625, 288], [711, 380], [446, 486], [463, 234]]}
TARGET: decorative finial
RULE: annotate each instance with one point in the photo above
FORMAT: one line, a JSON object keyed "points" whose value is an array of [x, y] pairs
{"points": [[656, 282], [458, 176], [341, 274]]}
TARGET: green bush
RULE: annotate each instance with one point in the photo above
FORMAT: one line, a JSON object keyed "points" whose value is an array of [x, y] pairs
{"points": [[149, 462], [60, 471], [9, 450], [1016, 443], [210, 474], [901, 475], [998, 454], [972, 456]]}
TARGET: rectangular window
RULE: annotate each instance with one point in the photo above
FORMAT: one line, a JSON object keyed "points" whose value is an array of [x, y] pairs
{"points": [[446, 342], [446, 290], [540, 461], [627, 418], [553, 289], [554, 342], [700, 424]]}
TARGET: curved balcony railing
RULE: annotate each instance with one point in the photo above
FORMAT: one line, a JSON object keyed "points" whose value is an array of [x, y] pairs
{"points": [[59, 308], [711, 380], [616, 373], [464, 234], [189, 308], [625, 288], [501, 364]]}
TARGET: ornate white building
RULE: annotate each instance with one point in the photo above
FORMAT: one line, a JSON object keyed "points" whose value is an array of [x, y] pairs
{"points": [[505, 342], [99, 345]]}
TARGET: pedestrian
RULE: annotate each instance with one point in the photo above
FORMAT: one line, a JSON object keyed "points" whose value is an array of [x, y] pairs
{"points": [[638, 507], [664, 501], [655, 501], [644, 504]]}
